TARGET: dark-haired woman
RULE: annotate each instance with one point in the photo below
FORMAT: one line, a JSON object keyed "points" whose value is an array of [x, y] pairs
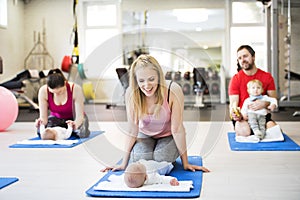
{"points": [[65, 101]]}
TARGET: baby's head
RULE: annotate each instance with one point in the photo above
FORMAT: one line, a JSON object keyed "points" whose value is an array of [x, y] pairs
{"points": [[135, 175], [49, 134], [254, 87]]}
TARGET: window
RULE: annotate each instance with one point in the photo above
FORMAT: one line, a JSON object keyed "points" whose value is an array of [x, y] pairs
{"points": [[248, 27], [101, 23], [3, 13], [246, 13], [101, 15]]}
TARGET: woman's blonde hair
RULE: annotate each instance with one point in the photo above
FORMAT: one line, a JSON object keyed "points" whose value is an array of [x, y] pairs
{"points": [[137, 98]]}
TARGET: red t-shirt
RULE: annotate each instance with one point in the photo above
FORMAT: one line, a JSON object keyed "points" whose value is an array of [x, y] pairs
{"points": [[238, 84]]}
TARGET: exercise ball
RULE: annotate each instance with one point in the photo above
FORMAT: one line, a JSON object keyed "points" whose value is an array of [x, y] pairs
{"points": [[8, 108]]}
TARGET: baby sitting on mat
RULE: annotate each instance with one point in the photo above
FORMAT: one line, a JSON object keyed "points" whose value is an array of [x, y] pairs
{"points": [[147, 172], [55, 133], [257, 118]]}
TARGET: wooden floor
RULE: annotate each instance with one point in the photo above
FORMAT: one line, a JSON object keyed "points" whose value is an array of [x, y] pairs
{"points": [[50, 174]]}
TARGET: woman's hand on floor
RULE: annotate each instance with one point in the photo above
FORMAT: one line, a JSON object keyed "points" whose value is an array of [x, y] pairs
{"points": [[196, 168]]}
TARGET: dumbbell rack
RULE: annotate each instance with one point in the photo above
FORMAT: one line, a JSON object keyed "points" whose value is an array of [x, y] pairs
{"points": [[210, 94]]}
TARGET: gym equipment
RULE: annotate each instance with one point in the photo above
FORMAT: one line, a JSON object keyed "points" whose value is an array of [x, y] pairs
{"points": [[123, 77], [199, 74], [168, 76], [75, 53], [285, 60], [292, 75], [199, 95], [215, 88], [71, 64], [9, 108], [186, 88], [77, 70], [66, 64], [17, 82], [177, 76], [286, 100], [187, 76], [16, 85], [81, 71], [39, 58], [88, 91], [1, 65], [199, 86]]}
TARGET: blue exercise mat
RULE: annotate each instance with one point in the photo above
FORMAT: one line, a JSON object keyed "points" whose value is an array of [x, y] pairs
{"points": [[5, 181], [287, 145], [78, 142], [177, 172]]}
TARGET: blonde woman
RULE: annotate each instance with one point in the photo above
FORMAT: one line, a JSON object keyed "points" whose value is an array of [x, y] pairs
{"points": [[154, 112]]}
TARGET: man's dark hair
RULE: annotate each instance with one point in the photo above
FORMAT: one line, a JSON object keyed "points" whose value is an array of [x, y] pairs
{"points": [[251, 51]]}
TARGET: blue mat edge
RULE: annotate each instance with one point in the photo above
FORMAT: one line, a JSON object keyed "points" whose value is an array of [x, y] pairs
{"points": [[196, 160], [260, 146], [8, 181], [80, 141]]}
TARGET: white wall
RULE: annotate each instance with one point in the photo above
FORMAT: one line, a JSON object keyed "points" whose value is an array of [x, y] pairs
{"points": [[17, 39], [12, 41], [58, 18]]}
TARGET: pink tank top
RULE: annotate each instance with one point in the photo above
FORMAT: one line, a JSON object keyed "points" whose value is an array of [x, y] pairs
{"points": [[64, 111], [157, 127]]}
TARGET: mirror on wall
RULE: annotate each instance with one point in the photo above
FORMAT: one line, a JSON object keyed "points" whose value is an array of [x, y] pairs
{"points": [[182, 40], [176, 30]]}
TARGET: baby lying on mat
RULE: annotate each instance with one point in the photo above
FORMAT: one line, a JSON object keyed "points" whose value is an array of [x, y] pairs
{"points": [[55, 133], [147, 172]]}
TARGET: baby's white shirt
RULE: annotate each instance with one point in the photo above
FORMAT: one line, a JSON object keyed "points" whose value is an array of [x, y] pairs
{"points": [[153, 166], [62, 133], [155, 178], [263, 111]]}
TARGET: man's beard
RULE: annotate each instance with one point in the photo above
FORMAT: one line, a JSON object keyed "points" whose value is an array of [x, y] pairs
{"points": [[247, 66]]}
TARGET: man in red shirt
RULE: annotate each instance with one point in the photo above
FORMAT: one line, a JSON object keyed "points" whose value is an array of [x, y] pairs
{"points": [[238, 89]]}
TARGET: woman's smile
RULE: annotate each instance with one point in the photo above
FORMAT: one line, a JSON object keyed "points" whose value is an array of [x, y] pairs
{"points": [[147, 80]]}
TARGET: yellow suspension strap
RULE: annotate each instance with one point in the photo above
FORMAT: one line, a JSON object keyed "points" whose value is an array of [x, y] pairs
{"points": [[75, 53]]}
